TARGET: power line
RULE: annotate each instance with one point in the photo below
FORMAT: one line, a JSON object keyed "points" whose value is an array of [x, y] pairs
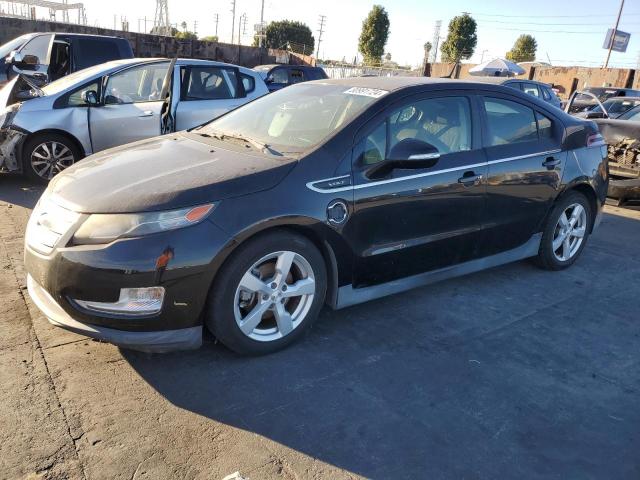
{"points": [[549, 16]]}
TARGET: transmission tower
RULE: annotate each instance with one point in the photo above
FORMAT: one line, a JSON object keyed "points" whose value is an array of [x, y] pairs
{"points": [[436, 40], [161, 23]]}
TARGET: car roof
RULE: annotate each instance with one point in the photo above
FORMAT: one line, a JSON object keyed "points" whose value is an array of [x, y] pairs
{"points": [[502, 80], [115, 64], [269, 66], [69, 34], [400, 82]]}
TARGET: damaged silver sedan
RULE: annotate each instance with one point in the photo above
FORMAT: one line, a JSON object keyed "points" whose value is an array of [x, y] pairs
{"points": [[45, 130]]}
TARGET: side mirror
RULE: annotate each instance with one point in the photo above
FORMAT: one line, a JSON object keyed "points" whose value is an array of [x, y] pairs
{"points": [[596, 115], [14, 58], [30, 60], [90, 97], [412, 153]]}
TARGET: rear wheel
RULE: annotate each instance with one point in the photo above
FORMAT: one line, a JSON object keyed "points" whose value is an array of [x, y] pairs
{"points": [[566, 232], [46, 155], [267, 294]]}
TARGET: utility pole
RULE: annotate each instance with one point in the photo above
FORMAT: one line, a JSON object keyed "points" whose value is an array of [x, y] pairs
{"points": [[436, 40], [323, 19], [613, 35], [233, 20], [195, 27], [215, 16], [261, 32]]}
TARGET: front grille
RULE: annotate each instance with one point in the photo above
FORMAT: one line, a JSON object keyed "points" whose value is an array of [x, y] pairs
{"points": [[48, 225]]}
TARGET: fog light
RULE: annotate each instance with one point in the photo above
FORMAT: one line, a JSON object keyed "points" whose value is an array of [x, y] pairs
{"points": [[132, 301]]}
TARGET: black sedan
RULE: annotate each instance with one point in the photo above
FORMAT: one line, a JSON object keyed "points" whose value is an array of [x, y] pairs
{"points": [[335, 191]]}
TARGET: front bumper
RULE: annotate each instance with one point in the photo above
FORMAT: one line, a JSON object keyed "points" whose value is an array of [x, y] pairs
{"points": [[157, 342], [10, 143], [98, 272]]}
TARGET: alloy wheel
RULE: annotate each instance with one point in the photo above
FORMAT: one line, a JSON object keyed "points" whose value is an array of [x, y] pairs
{"points": [[569, 232], [274, 296], [50, 158]]}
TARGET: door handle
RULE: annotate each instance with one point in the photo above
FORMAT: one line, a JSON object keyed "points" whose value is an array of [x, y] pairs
{"points": [[470, 178], [551, 162], [146, 113]]}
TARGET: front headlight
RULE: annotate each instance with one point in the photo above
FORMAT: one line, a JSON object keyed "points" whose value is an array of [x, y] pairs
{"points": [[105, 228]]}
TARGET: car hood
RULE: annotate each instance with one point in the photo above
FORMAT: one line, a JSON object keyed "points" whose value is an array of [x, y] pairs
{"points": [[163, 173]]}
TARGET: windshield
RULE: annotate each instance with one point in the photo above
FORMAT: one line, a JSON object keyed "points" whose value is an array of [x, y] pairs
{"points": [[72, 79], [633, 115], [617, 106], [294, 119], [14, 44]]}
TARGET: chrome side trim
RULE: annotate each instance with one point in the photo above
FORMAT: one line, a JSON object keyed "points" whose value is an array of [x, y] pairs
{"points": [[348, 295], [522, 157], [310, 185]]}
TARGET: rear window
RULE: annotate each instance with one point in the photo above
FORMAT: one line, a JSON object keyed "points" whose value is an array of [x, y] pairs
{"points": [[248, 82], [94, 51]]}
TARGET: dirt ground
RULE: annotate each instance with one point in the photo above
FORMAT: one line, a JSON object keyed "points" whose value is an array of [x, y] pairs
{"points": [[510, 373]]}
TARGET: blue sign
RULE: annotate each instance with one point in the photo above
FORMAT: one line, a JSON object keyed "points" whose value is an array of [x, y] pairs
{"points": [[620, 40]]}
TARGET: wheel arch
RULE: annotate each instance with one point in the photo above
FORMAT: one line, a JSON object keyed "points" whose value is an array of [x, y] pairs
{"points": [[322, 236], [55, 131], [585, 188]]}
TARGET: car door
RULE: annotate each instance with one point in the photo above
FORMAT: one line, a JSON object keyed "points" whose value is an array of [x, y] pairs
{"points": [[206, 93], [414, 218], [130, 107], [523, 148], [35, 59]]}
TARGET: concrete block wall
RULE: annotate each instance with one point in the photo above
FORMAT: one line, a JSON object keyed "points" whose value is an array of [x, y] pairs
{"points": [[564, 78], [145, 45]]}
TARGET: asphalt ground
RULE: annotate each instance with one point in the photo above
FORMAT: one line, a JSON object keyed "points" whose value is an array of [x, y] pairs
{"points": [[514, 372]]}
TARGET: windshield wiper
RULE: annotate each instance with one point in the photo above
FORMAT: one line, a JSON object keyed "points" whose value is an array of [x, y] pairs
{"points": [[253, 142]]}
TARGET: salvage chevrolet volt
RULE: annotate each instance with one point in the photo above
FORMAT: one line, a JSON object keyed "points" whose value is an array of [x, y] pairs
{"points": [[328, 192]]}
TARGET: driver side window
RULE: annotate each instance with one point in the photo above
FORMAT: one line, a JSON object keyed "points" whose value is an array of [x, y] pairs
{"points": [[443, 123], [136, 85]]}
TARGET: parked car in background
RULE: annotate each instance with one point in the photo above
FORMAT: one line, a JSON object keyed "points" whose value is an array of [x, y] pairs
{"points": [[614, 107], [280, 76], [585, 100], [540, 90], [46, 57], [622, 136], [116, 103], [334, 191]]}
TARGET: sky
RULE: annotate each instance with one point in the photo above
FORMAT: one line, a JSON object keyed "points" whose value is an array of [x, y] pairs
{"points": [[568, 32]]}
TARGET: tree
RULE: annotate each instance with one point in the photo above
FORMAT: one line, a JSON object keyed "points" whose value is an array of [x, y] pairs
{"points": [[374, 35], [184, 26], [461, 39], [186, 35], [283, 34], [524, 49], [158, 30], [210, 38]]}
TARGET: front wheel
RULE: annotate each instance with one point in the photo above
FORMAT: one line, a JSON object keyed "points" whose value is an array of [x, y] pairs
{"points": [[566, 232], [267, 294], [46, 155]]}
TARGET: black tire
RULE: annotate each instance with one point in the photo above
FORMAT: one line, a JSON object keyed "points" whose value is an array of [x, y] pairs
{"points": [[220, 312], [34, 142], [546, 258]]}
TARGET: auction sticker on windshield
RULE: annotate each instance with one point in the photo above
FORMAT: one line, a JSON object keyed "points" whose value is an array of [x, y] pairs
{"points": [[366, 92]]}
